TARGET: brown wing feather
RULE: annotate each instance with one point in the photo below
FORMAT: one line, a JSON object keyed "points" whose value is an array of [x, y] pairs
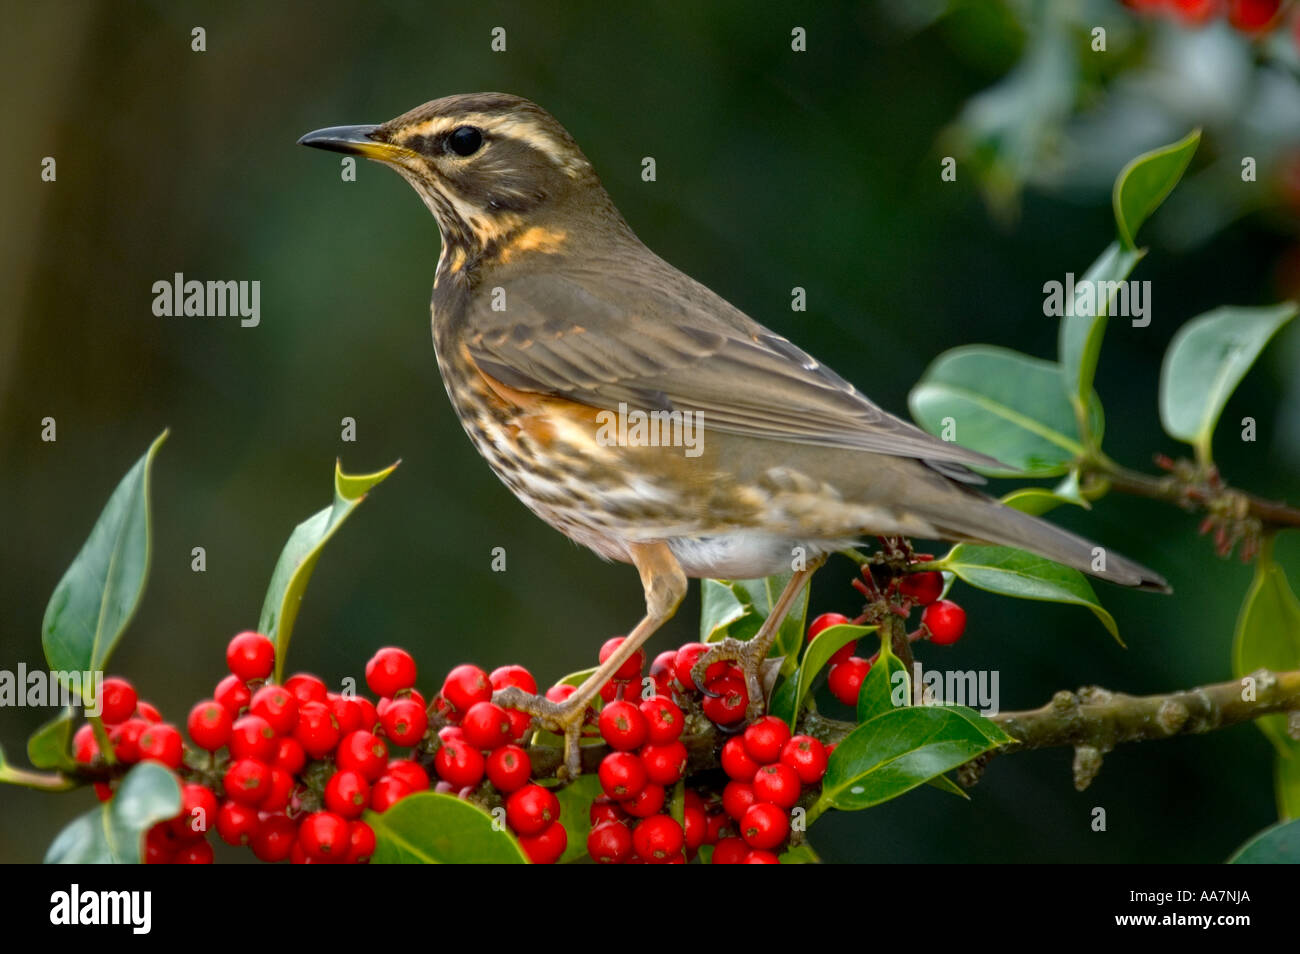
{"points": [[654, 338]]}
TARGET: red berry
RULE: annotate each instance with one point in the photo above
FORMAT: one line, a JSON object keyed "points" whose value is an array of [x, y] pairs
{"points": [[946, 622], [623, 726], [737, 797], [546, 847], [324, 836], [807, 756], [736, 760], [247, 781], [194, 853], [126, 741], [664, 764], [610, 843], [232, 695], [405, 721], [361, 843], [410, 772], [289, 755], [662, 671], [664, 719], [696, 827], [532, 809], [1195, 12], [389, 671], [685, 661], [347, 712], [730, 851], [650, 801], [658, 837], [275, 837], [198, 812], [209, 725], [761, 858], [561, 692], [622, 775], [364, 752], [509, 768], [1252, 15], [280, 786], [251, 737], [825, 622], [387, 791], [778, 784], [459, 763], [727, 706], [163, 743], [845, 680], [765, 738], [317, 729], [605, 809], [306, 688], [465, 686], [631, 669], [347, 793], [250, 656], [519, 723], [159, 845], [505, 676], [84, 746], [764, 826], [117, 700], [922, 588], [147, 712], [369, 717], [237, 823], [486, 726]]}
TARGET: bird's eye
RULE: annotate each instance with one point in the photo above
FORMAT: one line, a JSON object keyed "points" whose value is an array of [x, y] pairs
{"points": [[465, 140]]}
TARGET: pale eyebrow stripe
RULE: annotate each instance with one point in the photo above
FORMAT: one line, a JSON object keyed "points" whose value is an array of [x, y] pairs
{"points": [[511, 127]]}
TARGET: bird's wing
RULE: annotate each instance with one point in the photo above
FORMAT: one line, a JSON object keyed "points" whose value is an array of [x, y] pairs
{"points": [[601, 339]]}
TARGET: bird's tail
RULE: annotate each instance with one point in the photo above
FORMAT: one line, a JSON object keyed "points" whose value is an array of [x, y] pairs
{"points": [[999, 524]]}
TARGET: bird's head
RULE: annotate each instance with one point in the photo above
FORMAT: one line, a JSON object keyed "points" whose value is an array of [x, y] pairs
{"points": [[490, 166]]}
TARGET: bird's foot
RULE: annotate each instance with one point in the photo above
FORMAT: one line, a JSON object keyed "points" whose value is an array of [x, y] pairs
{"points": [[563, 718], [749, 655]]}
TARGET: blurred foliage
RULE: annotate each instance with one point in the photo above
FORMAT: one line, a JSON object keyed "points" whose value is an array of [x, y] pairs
{"points": [[775, 169]]}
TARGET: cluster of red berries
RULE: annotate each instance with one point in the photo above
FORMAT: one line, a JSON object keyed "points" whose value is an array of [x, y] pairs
{"points": [[287, 769], [768, 768], [1248, 16], [482, 740], [943, 621]]}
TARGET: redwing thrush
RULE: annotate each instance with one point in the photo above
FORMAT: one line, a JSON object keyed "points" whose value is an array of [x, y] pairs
{"points": [[558, 333]]}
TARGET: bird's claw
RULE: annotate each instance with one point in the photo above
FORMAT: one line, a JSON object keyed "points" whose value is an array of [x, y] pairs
{"points": [[562, 718], [749, 655]]}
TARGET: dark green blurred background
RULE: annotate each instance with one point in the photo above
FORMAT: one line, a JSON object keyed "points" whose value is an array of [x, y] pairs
{"points": [[775, 169]]}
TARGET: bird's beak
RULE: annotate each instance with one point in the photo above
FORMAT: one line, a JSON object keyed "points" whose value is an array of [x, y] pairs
{"points": [[355, 141]]}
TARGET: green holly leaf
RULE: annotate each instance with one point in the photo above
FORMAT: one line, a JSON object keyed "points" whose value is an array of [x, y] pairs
{"points": [[1267, 636], [1206, 361], [1145, 183], [48, 746], [788, 700], [114, 832], [1026, 576], [738, 608], [899, 750], [298, 559], [98, 595], [575, 811], [1004, 404], [1276, 845], [1081, 330], [428, 828], [888, 685]]}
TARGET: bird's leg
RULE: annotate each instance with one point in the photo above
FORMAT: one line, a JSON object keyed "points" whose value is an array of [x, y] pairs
{"points": [[665, 586], [750, 653]]}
